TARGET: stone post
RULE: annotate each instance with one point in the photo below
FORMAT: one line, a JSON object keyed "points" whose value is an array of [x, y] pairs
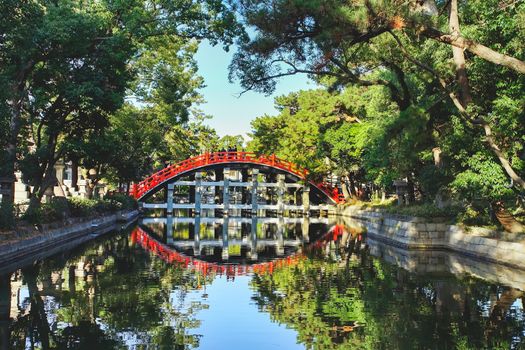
{"points": [[169, 229], [169, 199], [226, 192], [253, 239], [244, 191], [306, 200], [198, 193], [305, 226], [279, 249], [281, 190], [197, 237], [255, 173], [225, 252], [217, 193]]}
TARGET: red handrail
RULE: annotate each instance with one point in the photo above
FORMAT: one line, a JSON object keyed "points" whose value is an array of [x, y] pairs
{"points": [[140, 189], [170, 255]]}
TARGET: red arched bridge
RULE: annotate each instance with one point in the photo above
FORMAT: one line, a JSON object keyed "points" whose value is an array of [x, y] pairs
{"points": [[255, 175], [167, 253]]}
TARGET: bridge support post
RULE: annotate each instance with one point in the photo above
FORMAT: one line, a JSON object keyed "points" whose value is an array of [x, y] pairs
{"points": [[306, 200], [197, 237], [198, 193], [255, 173], [279, 248], [281, 190], [169, 199], [169, 229], [305, 226], [225, 252], [253, 239], [219, 176], [226, 192]]}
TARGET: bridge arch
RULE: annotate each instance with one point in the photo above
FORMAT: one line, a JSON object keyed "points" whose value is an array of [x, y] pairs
{"points": [[216, 160]]}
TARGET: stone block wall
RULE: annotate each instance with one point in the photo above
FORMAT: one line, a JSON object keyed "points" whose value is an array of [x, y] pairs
{"points": [[439, 262], [420, 233]]}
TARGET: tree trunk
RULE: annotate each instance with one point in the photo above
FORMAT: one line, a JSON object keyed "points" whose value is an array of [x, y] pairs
{"points": [[501, 157], [436, 152], [12, 145], [466, 97], [37, 311], [15, 124], [507, 220], [479, 50], [459, 57], [48, 179], [74, 174], [344, 186]]}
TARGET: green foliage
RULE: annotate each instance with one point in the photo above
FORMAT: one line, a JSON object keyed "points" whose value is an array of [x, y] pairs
{"points": [[60, 208], [7, 216], [81, 207], [68, 66], [388, 72], [127, 202], [482, 179], [55, 210], [432, 180], [475, 215], [426, 210]]}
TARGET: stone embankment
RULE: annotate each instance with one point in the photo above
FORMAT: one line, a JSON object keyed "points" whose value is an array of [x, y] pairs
{"points": [[56, 237], [421, 233]]}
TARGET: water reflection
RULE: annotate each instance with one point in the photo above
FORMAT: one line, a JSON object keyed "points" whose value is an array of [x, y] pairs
{"points": [[236, 240], [281, 285], [105, 296]]}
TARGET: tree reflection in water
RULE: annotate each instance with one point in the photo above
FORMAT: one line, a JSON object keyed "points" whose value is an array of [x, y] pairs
{"points": [[343, 298], [133, 291], [112, 295]]}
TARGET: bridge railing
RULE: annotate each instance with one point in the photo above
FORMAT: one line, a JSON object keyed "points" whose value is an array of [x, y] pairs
{"points": [[205, 159]]}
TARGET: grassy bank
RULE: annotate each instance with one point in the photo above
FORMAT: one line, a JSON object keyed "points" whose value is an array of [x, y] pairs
{"points": [[61, 208], [454, 214]]}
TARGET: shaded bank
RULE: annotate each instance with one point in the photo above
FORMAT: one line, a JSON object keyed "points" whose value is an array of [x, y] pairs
{"points": [[421, 233]]}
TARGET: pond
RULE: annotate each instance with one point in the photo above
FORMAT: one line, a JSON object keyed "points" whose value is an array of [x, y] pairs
{"points": [[257, 283]]}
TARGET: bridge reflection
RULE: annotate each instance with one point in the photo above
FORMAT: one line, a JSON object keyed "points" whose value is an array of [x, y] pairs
{"points": [[238, 246]]}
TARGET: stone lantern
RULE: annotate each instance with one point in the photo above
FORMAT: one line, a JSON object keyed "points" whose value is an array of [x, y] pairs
{"points": [[48, 194], [401, 191]]}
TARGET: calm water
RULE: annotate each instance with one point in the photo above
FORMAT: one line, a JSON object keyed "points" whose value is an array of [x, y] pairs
{"points": [[257, 284]]}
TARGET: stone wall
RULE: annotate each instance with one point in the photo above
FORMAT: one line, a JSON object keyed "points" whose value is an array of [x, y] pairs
{"points": [[439, 262], [420, 233], [52, 239]]}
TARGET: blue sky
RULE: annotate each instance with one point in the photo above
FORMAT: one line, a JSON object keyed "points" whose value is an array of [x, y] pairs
{"points": [[232, 114]]}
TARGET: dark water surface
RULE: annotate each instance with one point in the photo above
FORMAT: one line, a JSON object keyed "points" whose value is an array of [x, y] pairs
{"points": [[263, 283]]}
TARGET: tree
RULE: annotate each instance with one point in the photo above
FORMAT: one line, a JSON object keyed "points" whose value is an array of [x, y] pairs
{"points": [[67, 65], [343, 42]]}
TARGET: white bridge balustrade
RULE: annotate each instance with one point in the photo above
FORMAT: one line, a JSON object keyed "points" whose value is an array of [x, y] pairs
{"points": [[230, 191], [227, 232]]}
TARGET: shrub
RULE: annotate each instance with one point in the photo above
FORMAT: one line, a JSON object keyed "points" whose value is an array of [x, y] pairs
{"points": [[128, 202], [57, 209], [81, 207], [424, 210], [7, 216], [476, 216], [106, 205]]}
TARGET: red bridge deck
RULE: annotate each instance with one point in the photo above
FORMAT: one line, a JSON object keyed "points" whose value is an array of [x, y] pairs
{"points": [[143, 187]]}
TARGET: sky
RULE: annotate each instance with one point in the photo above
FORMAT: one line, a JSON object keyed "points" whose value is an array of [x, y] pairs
{"points": [[232, 114]]}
